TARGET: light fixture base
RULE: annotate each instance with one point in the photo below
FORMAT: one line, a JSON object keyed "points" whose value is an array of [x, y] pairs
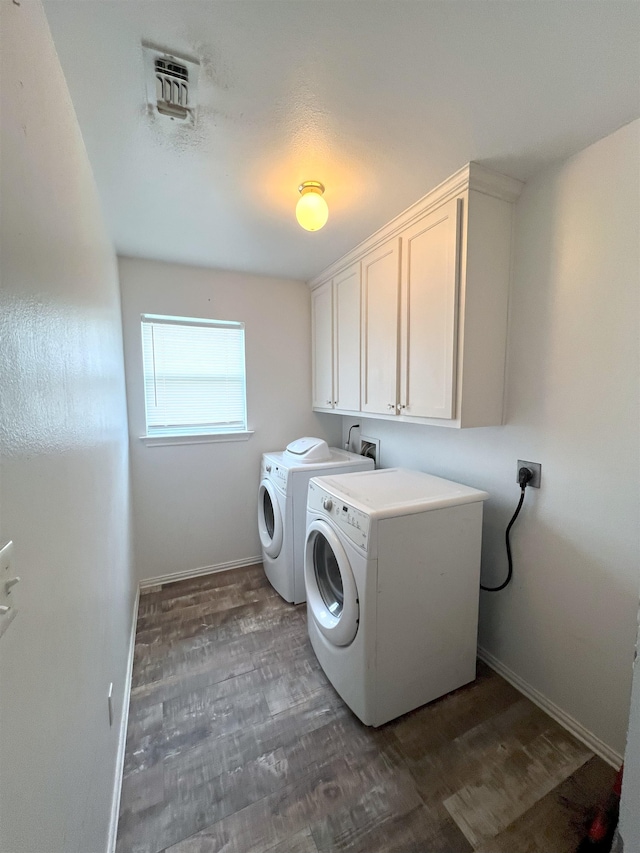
{"points": [[311, 187]]}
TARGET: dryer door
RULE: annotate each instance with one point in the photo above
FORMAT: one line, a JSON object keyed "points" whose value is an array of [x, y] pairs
{"points": [[269, 519], [332, 596]]}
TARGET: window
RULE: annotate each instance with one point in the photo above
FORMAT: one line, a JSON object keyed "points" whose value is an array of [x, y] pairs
{"points": [[194, 376]]}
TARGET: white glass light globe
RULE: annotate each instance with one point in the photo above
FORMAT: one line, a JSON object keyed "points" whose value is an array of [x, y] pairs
{"points": [[311, 210]]}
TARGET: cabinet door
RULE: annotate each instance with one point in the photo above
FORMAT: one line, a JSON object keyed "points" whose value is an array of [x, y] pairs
{"points": [[380, 286], [322, 346], [430, 274], [346, 328]]}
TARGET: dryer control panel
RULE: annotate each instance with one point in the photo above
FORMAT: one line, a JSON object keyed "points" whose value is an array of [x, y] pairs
{"points": [[354, 523]]}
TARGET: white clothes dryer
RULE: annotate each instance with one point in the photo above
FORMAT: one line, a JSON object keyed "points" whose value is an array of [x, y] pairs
{"points": [[392, 573], [282, 503]]}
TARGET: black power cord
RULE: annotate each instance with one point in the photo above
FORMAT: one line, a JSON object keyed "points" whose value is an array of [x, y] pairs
{"points": [[348, 444], [524, 477]]}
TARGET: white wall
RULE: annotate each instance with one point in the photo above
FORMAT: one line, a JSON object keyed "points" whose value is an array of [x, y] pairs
{"points": [[195, 505], [567, 623], [63, 465]]}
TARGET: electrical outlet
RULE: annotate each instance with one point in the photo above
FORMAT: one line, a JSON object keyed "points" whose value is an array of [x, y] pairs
{"points": [[6, 557], [8, 581], [536, 470], [370, 447]]}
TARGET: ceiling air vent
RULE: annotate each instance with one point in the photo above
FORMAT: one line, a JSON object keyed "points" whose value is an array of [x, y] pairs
{"points": [[171, 83], [172, 88]]}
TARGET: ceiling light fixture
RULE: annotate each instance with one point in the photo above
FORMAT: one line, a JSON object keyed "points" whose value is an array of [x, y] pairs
{"points": [[311, 210]]}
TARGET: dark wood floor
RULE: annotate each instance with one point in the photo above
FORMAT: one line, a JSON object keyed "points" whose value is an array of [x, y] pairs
{"points": [[237, 743]]}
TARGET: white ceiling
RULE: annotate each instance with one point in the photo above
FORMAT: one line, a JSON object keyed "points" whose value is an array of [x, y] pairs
{"points": [[378, 99]]}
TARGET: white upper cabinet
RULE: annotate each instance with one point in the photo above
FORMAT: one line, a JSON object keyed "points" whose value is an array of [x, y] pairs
{"points": [[335, 316], [434, 294], [322, 346], [346, 324], [380, 279], [429, 295]]}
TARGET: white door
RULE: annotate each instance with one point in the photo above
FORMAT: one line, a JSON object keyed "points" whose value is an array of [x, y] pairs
{"points": [[346, 292], [332, 597], [270, 524], [322, 346], [380, 285], [430, 274]]}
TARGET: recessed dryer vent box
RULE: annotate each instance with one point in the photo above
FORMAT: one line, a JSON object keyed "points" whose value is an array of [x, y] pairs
{"points": [[370, 447]]}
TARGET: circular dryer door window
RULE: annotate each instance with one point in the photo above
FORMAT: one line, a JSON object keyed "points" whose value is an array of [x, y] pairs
{"points": [[269, 519], [332, 597]]}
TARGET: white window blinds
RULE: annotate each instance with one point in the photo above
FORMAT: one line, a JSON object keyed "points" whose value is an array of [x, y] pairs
{"points": [[194, 376]]}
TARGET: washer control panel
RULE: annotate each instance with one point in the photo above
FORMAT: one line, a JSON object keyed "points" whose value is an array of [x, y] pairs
{"points": [[281, 477], [278, 474], [354, 523]]}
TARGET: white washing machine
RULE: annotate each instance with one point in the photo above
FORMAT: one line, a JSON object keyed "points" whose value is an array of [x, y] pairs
{"points": [[392, 571], [282, 504]]}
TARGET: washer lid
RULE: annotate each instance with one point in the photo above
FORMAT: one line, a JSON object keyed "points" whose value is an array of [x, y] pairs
{"points": [[398, 491], [308, 449]]}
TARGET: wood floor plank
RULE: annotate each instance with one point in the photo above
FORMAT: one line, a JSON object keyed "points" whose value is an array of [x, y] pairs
{"points": [[444, 770], [146, 646], [183, 658], [184, 608], [150, 591], [210, 671], [200, 806], [420, 830], [292, 688], [440, 722], [143, 789], [373, 791], [180, 604], [172, 614], [557, 821], [236, 623], [301, 842], [337, 737], [219, 754], [144, 831], [146, 672], [143, 732], [237, 743], [485, 807], [213, 580], [221, 715], [283, 685], [273, 819], [182, 733]]}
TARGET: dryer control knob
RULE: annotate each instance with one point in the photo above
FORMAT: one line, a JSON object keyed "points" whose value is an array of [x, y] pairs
{"points": [[268, 469], [327, 503]]}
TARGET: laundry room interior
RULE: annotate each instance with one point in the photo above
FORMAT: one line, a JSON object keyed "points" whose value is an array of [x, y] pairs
{"points": [[376, 587]]}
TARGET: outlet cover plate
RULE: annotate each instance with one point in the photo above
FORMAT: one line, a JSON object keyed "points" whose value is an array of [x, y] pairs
{"points": [[110, 703], [6, 557], [536, 468], [6, 599]]}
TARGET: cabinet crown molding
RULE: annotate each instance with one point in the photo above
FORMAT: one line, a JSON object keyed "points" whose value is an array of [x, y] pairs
{"points": [[473, 176]]}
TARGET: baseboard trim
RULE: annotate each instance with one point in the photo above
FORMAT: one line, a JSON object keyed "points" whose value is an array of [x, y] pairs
{"points": [[185, 574], [122, 735], [554, 711]]}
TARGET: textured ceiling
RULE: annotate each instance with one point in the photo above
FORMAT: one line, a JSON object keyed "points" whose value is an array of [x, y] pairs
{"points": [[378, 100]]}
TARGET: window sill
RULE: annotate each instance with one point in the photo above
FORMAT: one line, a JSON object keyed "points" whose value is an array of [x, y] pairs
{"points": [[161, 440]]}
